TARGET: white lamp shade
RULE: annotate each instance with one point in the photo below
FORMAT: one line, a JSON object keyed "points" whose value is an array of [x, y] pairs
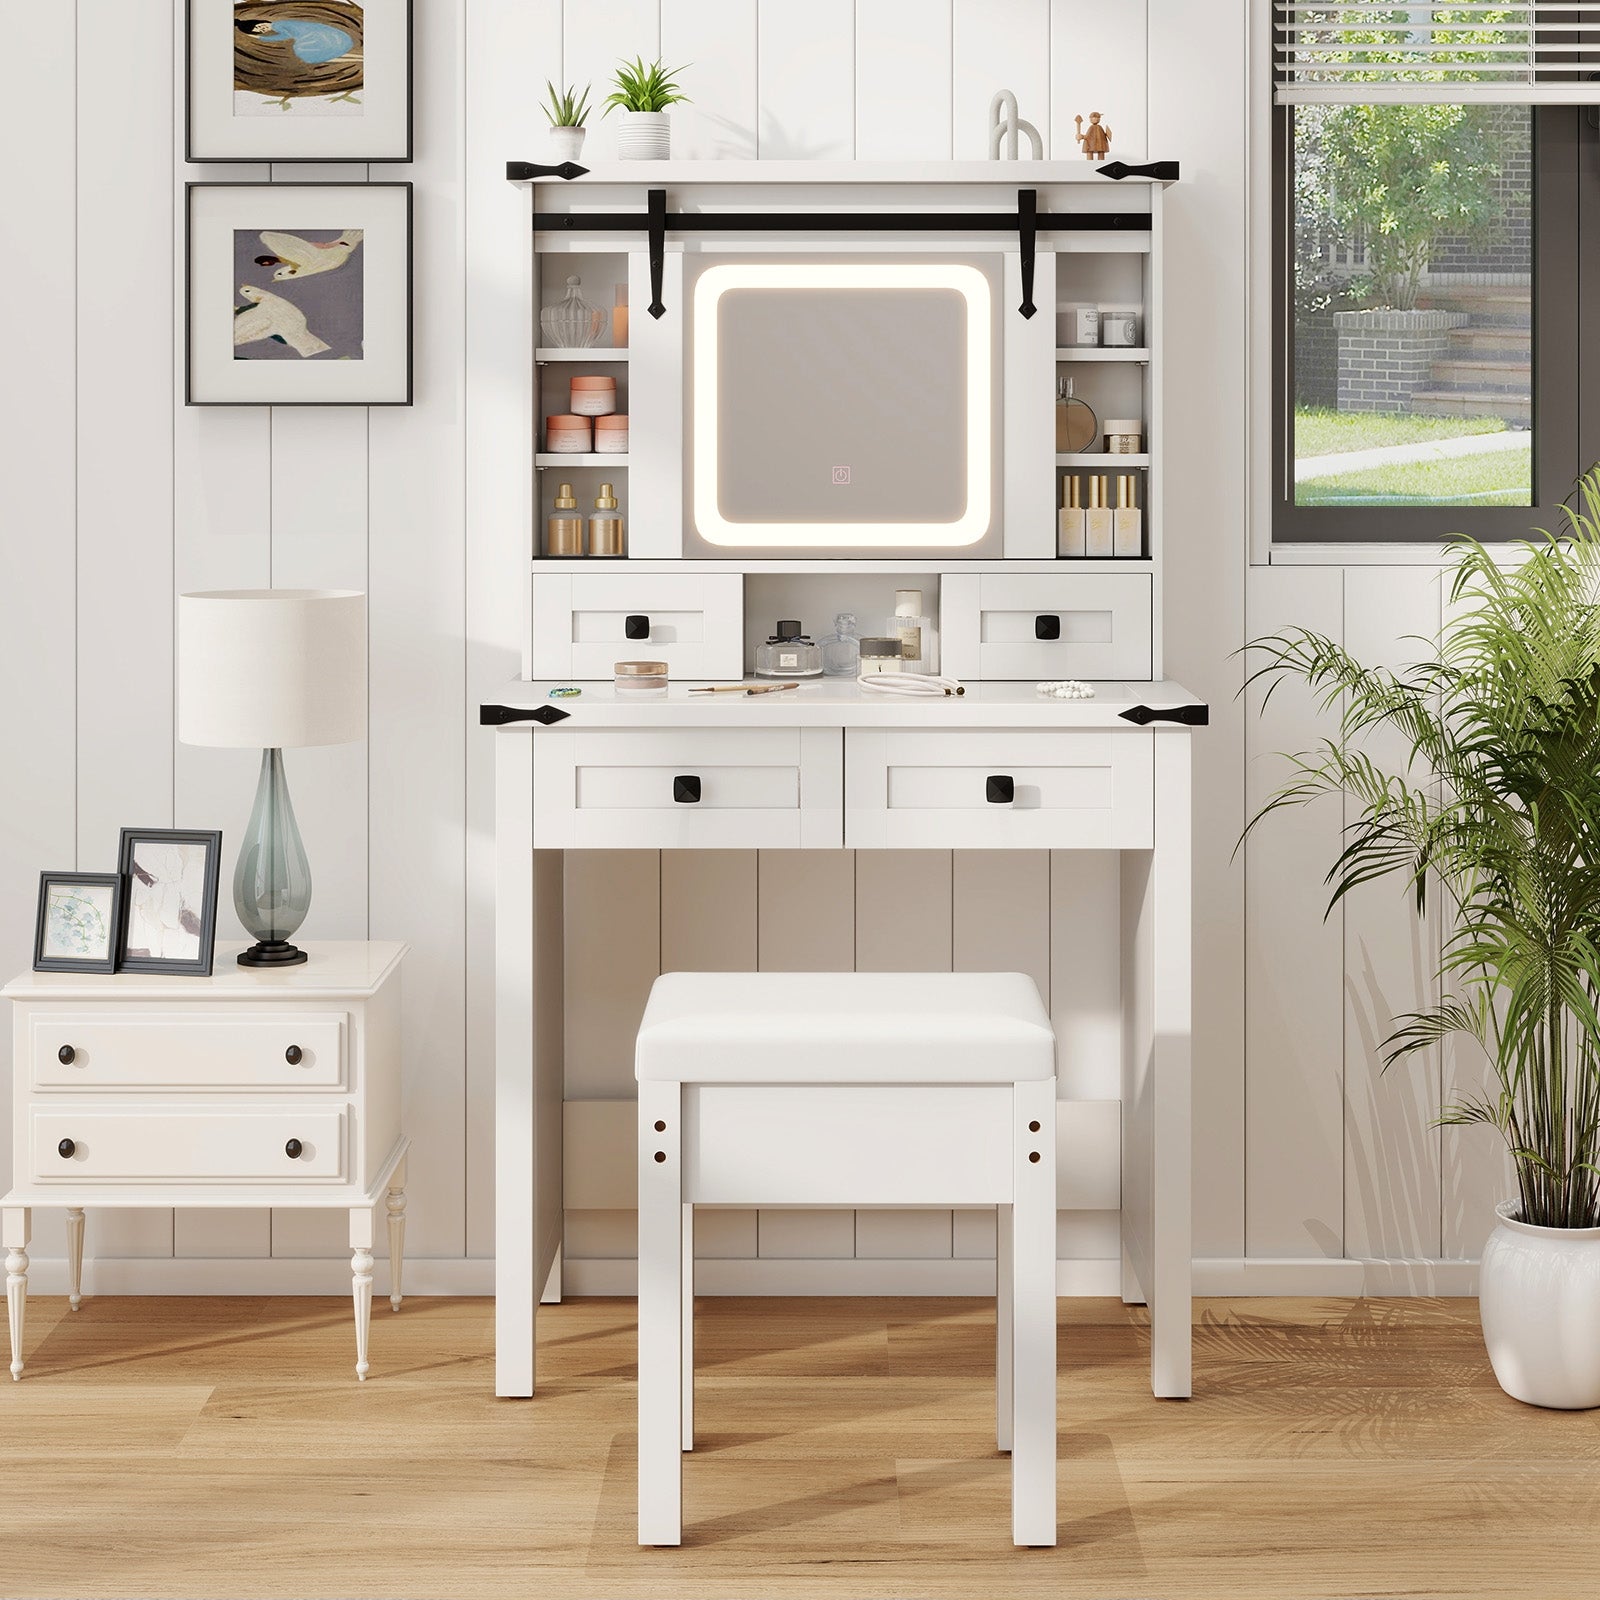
{"points": [[272, 668]]}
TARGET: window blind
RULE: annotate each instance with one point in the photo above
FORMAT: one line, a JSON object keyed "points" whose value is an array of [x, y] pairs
{"points": [[1373, 54]]}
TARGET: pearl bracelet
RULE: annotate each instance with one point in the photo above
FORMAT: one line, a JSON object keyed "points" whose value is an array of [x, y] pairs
{"points": [[1065, 689]]}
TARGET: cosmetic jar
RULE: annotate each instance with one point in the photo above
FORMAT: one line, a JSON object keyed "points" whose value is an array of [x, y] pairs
{"points": [[568, 435], [611, 435], [640, 680], [1124, 436], [593, 396], [881, 655]]}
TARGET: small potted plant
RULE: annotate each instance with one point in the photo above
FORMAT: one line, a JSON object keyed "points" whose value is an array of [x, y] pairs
{"points": [[1494, 807], [642, 95], [567, 109]]}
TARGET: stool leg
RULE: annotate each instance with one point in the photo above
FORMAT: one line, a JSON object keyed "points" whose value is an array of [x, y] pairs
{"points": [[688, 1327], [660, 1314], [1004, 1334], [1033, 1300]]}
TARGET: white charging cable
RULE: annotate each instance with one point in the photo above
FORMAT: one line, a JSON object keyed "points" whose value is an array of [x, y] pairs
{"points": [[914, 685]]}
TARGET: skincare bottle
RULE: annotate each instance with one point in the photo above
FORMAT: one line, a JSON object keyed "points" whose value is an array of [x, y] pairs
{"points": [[1070, 519], [563, 532], [841, 650], [605, 525], [911, 628], [1098, 532], [1127, 520]]}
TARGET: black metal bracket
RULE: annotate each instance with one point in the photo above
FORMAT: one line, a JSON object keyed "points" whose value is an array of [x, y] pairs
{"points": [[658, 249], [1191, 716], [499, 716], [526, 171], [1161, 171], [1028, 233]]}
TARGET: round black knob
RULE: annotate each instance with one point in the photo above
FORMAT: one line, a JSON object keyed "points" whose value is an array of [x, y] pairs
{"points": [[66, 1149], [66, 1055], [293, 1149], [294, 1055]]}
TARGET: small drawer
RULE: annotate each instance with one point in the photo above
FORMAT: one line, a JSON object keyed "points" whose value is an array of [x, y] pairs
{"points": [[1072, 625], [100, 1144], [583, 625], [1006, 789], [650, 789], [138, 1049]]}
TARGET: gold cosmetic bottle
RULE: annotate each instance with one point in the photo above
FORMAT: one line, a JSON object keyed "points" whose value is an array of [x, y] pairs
{"points": [[1098, 536], [605, 526], [1070, 519], [1127, 521], [563, 532]]}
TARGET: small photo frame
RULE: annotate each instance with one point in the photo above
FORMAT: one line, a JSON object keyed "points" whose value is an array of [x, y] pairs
{"points": [[299, 294], [80, 915], [169, 911], [299, 80]]}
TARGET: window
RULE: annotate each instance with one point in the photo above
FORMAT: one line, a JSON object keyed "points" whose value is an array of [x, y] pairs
{"points": [[1429, 226]]}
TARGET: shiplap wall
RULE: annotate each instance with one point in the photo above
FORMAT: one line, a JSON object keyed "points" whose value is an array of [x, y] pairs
{"points": [[117, 496]]}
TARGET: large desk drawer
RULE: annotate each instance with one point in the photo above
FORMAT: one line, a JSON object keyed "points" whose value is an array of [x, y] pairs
{"points": [[1067, 625], [583, 625], [693, 788], [1006, 789]]}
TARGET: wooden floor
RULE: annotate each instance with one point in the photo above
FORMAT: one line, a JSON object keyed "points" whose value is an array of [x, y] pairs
{"points": [[186, 1447]]}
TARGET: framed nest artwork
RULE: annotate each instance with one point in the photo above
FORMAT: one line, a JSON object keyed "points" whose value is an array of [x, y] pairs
{"points": [[299, 294], [299, 80]]}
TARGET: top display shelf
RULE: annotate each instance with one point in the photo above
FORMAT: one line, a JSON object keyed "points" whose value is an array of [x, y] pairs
{"points": [[1008, 174]]}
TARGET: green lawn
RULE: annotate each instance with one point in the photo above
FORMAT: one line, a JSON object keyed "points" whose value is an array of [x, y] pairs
{"points": [[1500, 479], [1319, 432]]}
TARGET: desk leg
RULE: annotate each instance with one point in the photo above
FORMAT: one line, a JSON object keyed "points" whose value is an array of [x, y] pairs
{"points": [[395, 1205], [361, 1224], [75, 1256], [1003, 1331], [1033, 1298], [687, 1298], [661, 1290], [16, 1228]]}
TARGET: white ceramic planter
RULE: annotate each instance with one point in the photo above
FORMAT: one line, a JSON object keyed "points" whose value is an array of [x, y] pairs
{"points": [[566, 144], [1539, 1297], [644, 136]]}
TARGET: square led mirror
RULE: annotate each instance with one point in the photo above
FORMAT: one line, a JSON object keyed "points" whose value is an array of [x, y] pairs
{"points": [[843, 406]]}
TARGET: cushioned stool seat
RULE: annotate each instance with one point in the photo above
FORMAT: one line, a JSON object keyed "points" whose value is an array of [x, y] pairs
{"points": [[853, 1088]]}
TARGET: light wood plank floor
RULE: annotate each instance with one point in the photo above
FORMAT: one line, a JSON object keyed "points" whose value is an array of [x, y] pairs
{"points": [[181, 1447]]}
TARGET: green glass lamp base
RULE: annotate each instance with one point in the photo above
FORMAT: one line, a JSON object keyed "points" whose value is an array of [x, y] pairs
{"points": [[272, 953]]}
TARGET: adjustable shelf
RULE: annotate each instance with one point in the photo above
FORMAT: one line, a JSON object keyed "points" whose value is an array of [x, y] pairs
{"points": [[594, 353], [1103, 353]]}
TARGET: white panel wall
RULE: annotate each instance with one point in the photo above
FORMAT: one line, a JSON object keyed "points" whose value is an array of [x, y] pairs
{"points": [[118, 496]]}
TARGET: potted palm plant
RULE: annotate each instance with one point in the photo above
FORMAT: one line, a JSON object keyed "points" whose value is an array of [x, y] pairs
{"points": [[1497, 810], [567, 110], [642, 94]]}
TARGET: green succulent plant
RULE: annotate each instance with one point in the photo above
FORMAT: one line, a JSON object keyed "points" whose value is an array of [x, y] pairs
{"points": [[643, 86], [566, 108]]}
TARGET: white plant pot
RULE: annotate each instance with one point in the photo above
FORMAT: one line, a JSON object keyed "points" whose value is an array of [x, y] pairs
{"points": [[566, 144], [644, 136], [1539, 1297]]}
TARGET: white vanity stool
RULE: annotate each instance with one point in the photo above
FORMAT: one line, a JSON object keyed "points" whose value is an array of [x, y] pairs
{"points": [[847, 1089]]}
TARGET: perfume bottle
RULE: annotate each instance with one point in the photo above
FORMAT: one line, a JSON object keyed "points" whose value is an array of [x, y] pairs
{"points": [[841, 650], [1127, 521], [788, 654], [563, 534], [1070, 519], [605, 525], [1099, 536], [912, 629]]}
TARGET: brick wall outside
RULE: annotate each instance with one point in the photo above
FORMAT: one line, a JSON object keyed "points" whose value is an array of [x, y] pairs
{"points": [[1511, 249], [1386, 356]]}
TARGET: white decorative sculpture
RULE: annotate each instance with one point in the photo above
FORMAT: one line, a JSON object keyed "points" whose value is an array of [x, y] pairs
{"points": [[1004, 123]]}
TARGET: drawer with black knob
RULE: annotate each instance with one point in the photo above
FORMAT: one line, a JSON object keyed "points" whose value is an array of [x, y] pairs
{"points": [[99, 1143], [140, 1048], [1093, 625], [583, 623]]}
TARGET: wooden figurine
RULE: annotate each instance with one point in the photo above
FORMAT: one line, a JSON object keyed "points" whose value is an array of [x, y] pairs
{"points": [[1096, 142]]}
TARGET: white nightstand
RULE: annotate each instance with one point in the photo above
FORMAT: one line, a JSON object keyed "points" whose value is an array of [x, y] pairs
{"points": [[252, 1087]]}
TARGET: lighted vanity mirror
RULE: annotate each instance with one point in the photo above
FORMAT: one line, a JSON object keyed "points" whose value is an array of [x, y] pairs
{"points": [[844, 407]]}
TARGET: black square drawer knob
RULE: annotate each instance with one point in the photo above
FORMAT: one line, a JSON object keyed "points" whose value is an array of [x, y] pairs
{"points": [[1047, 627], [636, 628], [1000, 790], [686, 790]]}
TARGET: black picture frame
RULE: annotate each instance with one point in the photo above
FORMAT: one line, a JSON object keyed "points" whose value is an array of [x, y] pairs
{"points": [[198, 157], [57, 963], [127, 870], [191, 190]]}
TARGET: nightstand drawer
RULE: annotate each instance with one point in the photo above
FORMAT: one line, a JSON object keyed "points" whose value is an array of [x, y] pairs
{"points": [[98, 1144], [137, 1049]]}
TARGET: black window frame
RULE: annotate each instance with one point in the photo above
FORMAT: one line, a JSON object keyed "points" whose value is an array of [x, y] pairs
{"points": [[1565, 231]]}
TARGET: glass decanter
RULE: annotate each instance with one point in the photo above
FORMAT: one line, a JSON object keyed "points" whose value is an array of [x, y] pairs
{"points": [[571, 323]]}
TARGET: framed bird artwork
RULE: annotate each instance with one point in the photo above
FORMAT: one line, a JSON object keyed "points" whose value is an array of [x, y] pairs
{"points": [[299, 294], [299, 80]]}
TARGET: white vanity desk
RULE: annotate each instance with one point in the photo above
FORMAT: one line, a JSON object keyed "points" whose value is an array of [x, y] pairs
{"points": [[824, 767]]}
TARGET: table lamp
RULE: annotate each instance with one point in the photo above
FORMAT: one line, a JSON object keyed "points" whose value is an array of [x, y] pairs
{"points": [[276, 669]]}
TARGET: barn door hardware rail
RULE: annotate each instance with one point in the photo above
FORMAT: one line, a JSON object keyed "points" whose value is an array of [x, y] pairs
{"points": [[1027, 222], [492, 716], [527, 171], [1190, 716]]}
